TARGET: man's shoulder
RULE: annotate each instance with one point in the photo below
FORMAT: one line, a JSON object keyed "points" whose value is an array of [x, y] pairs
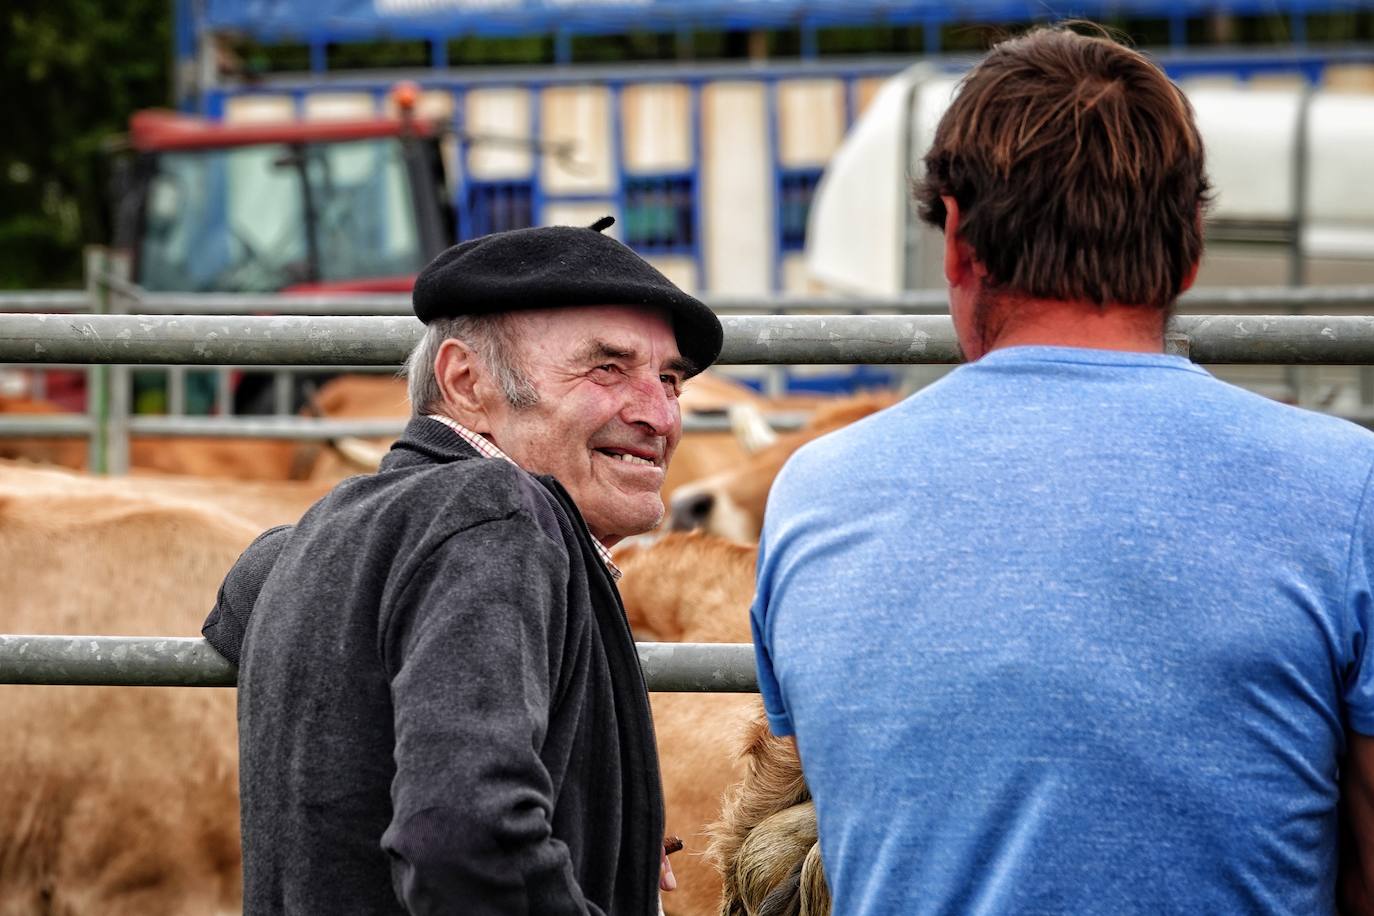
{"points": [[425, 504], [831, 468], [847, 445], [481, 488], [1257, 422]]}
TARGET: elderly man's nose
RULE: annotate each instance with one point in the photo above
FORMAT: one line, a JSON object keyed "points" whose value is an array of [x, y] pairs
{"points": [[652, 407]]}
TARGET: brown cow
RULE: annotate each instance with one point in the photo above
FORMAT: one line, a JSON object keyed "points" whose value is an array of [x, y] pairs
{"points": [[115, 800], [701, 454], [346, 397], [744, 815], [693, 588], [353, 397], [240, 459], [94, 830], [731, 502], [259, 503], [232, 459], [65, 452]]}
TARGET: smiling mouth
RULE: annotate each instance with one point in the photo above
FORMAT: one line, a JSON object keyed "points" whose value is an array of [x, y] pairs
{"points": [[627, 458]]}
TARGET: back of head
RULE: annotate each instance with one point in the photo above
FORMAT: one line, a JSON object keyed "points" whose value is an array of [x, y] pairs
{"points": [[1078, 171]]}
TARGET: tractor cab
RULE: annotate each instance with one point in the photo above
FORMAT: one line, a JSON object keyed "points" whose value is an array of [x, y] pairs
{"points": [[281, 207]]}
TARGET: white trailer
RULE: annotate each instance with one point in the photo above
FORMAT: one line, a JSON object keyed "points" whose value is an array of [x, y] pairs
{"points": [[1294, 202], [1291, 166]]}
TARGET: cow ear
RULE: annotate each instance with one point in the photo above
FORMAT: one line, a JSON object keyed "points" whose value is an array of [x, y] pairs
{"points": [[360, 453], [751, 428]]}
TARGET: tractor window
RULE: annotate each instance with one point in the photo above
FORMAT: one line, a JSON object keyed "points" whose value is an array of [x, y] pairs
{"points": [[261, 218], [365, 213], [223, 221]]}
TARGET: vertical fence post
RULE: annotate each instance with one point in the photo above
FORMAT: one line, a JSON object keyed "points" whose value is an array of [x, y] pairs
{"points": [[283, 393], [224, 392], [120, 391], [176, 390], [776, 377], [97, 376], [1300, 378]]}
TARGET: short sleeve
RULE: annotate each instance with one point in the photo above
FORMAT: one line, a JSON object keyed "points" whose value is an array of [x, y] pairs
{"points": [[1359, 599], [778, 719]]}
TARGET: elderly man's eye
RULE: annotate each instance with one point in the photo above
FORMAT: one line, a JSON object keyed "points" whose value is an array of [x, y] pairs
{"points": [[672, 383]]}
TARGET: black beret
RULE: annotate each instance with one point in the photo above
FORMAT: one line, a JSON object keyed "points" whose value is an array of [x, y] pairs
{"points": [[555, 266]]}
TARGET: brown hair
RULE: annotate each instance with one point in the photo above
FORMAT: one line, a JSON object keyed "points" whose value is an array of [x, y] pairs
{"points": [[1078, 170]]}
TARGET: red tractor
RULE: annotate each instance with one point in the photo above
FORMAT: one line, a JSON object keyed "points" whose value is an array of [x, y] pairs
{"points": [[291, 207], [328, 205]]}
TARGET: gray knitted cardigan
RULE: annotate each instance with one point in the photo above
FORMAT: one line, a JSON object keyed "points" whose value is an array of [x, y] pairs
{"points": [[440, 705]]}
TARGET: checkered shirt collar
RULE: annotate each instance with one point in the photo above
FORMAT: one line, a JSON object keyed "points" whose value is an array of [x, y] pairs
{"points": [[487, 449]]}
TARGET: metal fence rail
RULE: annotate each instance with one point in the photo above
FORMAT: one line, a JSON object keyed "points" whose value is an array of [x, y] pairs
{"points": [[299, 429], [64, 300], [73, 426], [749, 339], [110, 418], [177, 661], [385, 340], [1303, 299]]}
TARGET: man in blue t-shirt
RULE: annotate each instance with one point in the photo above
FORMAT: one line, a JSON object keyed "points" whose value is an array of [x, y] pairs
{"points": [[1080, 628]]}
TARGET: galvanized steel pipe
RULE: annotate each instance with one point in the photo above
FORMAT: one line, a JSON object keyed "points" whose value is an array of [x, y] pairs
{"points": [[75, 300], [916, 302], [206, 341], [838, 339], [176, 661], [1306, 299], [698, 667], [300, 428], [119, 661], [753, 339], [58, 426], [1273, 339], [749, 339]]}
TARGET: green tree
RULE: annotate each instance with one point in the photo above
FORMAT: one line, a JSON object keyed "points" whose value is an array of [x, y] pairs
{"points": [[71, 73]]}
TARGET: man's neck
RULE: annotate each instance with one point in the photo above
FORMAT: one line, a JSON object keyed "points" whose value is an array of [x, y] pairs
{"points": [[1024, 322]]}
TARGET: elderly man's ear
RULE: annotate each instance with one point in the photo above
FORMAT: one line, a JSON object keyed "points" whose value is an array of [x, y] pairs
{"points": [[462, 379]]}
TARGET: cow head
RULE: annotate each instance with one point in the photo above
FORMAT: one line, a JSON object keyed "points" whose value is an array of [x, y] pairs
{"points": [[731, 503], [764, 844]]}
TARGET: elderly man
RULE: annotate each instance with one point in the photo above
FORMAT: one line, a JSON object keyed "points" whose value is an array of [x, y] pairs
{"points": [[441, 708], [1079, 628]]}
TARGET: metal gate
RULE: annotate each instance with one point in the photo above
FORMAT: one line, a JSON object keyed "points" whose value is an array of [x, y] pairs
{"points": [[385, 341]]}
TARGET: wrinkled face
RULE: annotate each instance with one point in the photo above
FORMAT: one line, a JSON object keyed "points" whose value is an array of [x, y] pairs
{"points": [[607, 421]]}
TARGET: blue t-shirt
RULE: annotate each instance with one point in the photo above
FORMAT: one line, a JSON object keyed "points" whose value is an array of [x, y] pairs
{"points": [[1073, 631]]}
